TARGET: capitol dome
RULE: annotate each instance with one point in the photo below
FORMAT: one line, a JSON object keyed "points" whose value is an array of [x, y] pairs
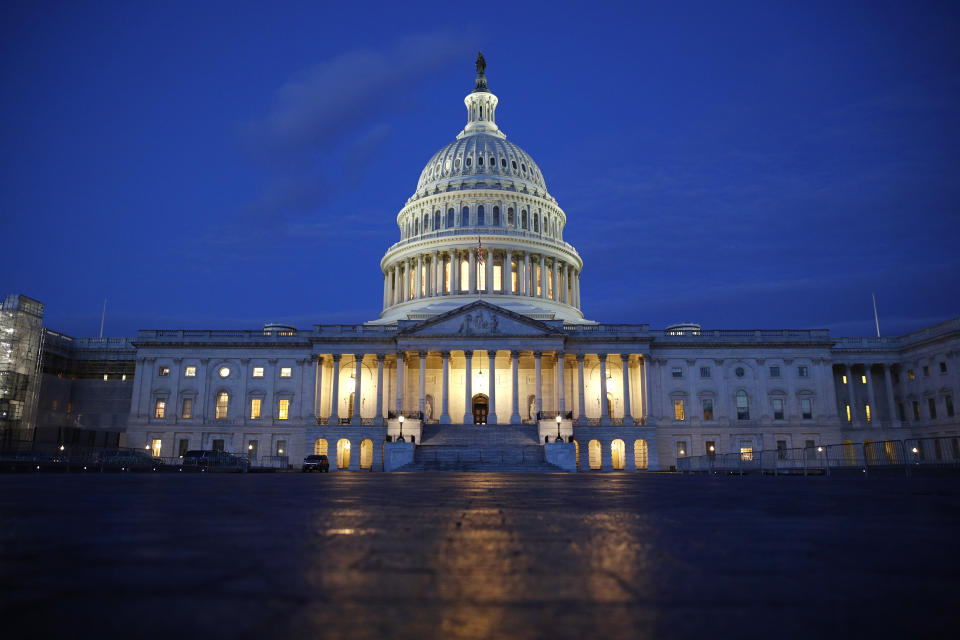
{"points": [[481, 225]]}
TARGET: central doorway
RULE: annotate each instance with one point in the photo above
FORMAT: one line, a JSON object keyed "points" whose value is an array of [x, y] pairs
{"points": [[481, 407]]}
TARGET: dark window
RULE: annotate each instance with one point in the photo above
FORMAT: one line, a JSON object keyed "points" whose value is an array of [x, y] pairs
{"points": [[900, 411], [480, 216], [932, 406], [778, 408], [217, 445], [449, 218], [806, 408], [496, 216], [503, 162], [781, 449], [802, 372], [743, 406], [708, 408], [536, 223], [677, 372], [510, 217], [465, 217], [182, 446], [943, 367], [774, 372], [916, 410], [480, 158], [738, 372], [523, 219], [704, 372], [926, 371], [436, 220], [948, 400], [514, 163]]}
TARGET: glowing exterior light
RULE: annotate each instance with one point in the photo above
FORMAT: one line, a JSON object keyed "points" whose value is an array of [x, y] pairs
{"points": [[249, 447], [62, 448], [819, 449], [915, 450], [712, 447]]}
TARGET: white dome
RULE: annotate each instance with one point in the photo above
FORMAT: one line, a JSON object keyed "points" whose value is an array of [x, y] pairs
{"points": [[481, 158]]}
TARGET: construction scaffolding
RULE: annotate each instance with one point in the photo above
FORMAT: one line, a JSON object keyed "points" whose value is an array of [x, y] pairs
{"points": [[21, 345]]}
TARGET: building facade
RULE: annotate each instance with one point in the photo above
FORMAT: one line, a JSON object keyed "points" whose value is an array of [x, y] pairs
{"points": [[482, 324]]}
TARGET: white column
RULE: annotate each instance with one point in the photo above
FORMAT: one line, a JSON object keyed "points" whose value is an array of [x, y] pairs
{"points": [[437, 273], [506, 274], [561, 401], [488, 263], [492, 413], [604, 411], [627, 417], [417, 282], [445, 391], [582, 392], [381, 394], [401, 366], [556, 281], [891, 405], [423, 380], [335, 392], [454, 272], [358, 358], [318, 390], [526, 275], [871, 398], [537, 355], [515, 381], [472, 259], [468, 389]]}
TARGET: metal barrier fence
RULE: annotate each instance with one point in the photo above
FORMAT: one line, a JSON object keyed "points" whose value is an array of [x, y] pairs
{"points": [[897, 455]]}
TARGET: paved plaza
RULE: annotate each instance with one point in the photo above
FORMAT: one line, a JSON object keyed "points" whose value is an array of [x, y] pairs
{"points": [[361, 555]]}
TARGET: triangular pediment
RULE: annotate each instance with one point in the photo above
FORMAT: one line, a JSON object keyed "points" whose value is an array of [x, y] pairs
{"points": [[481, 319]]}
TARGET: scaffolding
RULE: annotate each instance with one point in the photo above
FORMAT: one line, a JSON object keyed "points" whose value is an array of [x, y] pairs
{"points": [[21, 346]]}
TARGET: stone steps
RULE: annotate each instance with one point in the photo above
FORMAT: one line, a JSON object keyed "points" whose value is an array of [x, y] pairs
{"points": [[502, 458], [482, 436]]}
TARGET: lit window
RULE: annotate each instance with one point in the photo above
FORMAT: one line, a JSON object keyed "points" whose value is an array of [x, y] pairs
{"points": [[224, 372], [281, 447], [190, 372], [681, 448], [844, 378], [284, 409], [105, 377], [711, 447], [743, 405], [704, 372], [186, 411], [255, 408], [746, 450], [258, 372], [778, 408], [863, 379], [678, 410], [708, 409], [802, 372], [123, 377], [223, 400], [910, 374], [849, 417], [806, 408], [155, 447], [677, 372], [867, 413], [160, 408], [164, 371], [286, 372], [774, 372]]}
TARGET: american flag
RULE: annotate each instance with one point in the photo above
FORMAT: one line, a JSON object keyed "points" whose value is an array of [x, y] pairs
{"points": [[479, 251]]}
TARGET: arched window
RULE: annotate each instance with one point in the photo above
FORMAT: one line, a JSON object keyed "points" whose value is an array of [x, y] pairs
{"points": [[480, 219], [223, 402], [426, 222], [496, 216], [465, 217], [436, 220], [743, 405], [366, 453], [523, 219], [320, 447], [479, 161], [416, 227], [343, 453], [618, 454], [510, 220], [640, 454], [593, 451], [450, 218], [536, 223]]}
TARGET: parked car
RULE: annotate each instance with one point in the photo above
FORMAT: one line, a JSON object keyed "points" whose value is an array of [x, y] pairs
{"points": [[207, 460], [316, 463], [126, 460]]}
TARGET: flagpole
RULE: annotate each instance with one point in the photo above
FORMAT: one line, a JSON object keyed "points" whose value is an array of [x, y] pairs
{"points": [[876, 318]]}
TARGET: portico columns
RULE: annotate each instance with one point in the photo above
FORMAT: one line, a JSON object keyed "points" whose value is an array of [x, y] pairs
{"points": [[506, 274], [438, 273], [581, 391], [543, 277], [472, 258], [870, 396], [515, 381], [537, 355], [318, 389], [850, 397], [358, 361], [378, 418], [401, 365], [604, 410], [556, 281], [454, 272], [334, 400], [488, 278], [423, 379], [891, 406], [561, 404], [526, 274], [468, 389], [492, 412], [627, 418], [444, 392], [417, 282]]}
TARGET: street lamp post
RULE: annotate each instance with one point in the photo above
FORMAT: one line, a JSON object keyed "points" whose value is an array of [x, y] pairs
{"points": [[400, 419], [559, 439]]}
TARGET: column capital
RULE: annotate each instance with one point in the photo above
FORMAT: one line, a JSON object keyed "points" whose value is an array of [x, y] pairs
{"points": [[445, 354], [336, 356], [537, 354], [603, 356], [514, 353], [379, 357], [421, 354]]}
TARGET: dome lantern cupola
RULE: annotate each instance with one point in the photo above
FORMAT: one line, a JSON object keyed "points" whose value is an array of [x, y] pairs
{"points": [[481, 106]]}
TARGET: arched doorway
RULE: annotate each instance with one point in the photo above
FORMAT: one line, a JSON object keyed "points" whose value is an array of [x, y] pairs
{"points": [[593, 452], [640, 454], [343, 453], [320, 447], [480, 407], [366, 454], [618, 454]]}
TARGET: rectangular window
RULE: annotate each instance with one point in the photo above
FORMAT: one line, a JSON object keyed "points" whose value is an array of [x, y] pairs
{"points": [[183, 445], [746, 450], [704, 372], [948, 400], [155, 445], [190, 372], [708, 408], [900, 412], [916, 410], [911, 375], [186, 411], [281, 448], [932, 406], [105, 377], [943, 367], [778, 408], [781, 449], [223, 403], [678, 411], [711, 447], [849, 417], [863, 379], [802, 372], [681, 448], [844, 379], [774, 372], [284, 409], [926, 372], [164, 371], [258, 372], [159, 408], [497, 277], [676, 372], [217, 445], [255, 408], [286, 372], [806, 408], [866, 409]]}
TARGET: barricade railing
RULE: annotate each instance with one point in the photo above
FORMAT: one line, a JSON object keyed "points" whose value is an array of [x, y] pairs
{"points": [[898, 455]]}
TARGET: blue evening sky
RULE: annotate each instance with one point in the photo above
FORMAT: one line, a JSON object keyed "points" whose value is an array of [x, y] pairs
{"points": [[224, 164]]}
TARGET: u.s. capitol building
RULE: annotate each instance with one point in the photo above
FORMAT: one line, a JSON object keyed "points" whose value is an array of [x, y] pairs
{"points": [[482, 325]]}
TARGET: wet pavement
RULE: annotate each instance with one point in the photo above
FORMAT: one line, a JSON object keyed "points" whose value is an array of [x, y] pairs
{"points": [[359, 555]]}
